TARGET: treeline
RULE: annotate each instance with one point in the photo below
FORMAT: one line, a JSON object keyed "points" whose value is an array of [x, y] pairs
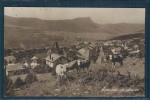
{"points": [[20, 54]]}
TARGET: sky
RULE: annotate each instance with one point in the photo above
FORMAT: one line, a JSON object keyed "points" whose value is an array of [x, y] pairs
{"points": [[98, 15]]}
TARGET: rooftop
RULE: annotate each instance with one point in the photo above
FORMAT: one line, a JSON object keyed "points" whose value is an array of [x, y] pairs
{"points": [[13, 67], [9, 58], [53, 57], [34, 57]]}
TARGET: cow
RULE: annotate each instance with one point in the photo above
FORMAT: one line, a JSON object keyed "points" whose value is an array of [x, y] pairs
{"points": [[72, 65], [61, 70], [116, 58], [83, 64]]}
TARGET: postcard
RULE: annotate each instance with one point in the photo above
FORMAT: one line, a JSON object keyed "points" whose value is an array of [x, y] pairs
{"points": [[74, 52]]}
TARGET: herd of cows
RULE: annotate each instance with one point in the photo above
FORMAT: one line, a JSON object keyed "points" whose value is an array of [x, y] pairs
{"points": [[81, 64], [61, 69]]}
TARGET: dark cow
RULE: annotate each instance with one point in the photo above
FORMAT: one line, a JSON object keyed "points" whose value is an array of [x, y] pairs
{"points": [[83, 64], [73, 65], [116, 58]]}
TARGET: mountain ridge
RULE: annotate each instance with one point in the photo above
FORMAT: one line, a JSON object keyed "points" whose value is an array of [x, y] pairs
{"points": [[81, 24], [37, 32]]}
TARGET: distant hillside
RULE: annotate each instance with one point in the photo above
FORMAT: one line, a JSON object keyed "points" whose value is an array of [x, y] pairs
{"points": [[74, 25], [130, 36], [77, 25], [33, 32]]}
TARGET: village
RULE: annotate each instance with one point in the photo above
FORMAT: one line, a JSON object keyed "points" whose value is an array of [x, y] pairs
{"points": [[95, 52]]}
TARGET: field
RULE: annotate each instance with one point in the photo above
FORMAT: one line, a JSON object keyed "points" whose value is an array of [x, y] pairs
{"points": [[98, 81]]}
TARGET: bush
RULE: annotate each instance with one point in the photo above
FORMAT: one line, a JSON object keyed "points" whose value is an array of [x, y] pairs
{"points": [[53, 70], [19, 82], [8, 89], [8, 83], [124, 53], [42, 69], [141, 54], [131, 55], [25, 71], [31, 78]]}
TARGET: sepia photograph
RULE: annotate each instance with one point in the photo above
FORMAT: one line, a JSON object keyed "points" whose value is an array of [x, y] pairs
{"points": [[74, 52]]}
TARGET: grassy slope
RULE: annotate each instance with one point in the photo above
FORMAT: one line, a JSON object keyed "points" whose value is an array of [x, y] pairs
{"points": [[48, 85]]}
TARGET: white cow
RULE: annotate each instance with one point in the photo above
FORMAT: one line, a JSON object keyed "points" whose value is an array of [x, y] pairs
{"points": [[61, 69]]}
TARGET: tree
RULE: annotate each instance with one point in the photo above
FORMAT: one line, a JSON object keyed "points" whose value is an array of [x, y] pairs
{"points": [[19, 82], [31, 78], [8, 86], [40, 69]]}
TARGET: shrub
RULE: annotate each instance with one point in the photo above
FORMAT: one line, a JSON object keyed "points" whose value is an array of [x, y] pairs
{"points": [[42, 69], [19, 82], [18, 72], [53, 70], [31, 78], [124, 53], [8, 83], [8, 87], [131, 55], [25, 71], [141, 54]]}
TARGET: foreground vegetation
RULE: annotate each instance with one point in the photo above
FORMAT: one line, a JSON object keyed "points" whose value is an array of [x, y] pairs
{"points": [[98, 81]]}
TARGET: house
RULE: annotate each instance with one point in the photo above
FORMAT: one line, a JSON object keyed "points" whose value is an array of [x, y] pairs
{"points": [[134, 52], [142, 40], [55, 49], [11, 69], [136, 47], [85, 53], [40, 55], [99, 43], [69, 54], [82, 44], [79, 45], [25, 64], [116, 50], [88, 52], [34, 62], [108, 43], [125, 47], [10, 59], [54, 59], [34, 58], [73, 48]]}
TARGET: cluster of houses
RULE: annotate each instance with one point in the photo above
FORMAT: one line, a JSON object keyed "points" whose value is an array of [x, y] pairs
{"points": [[92, 51], [53, 57], [131, 45]]}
